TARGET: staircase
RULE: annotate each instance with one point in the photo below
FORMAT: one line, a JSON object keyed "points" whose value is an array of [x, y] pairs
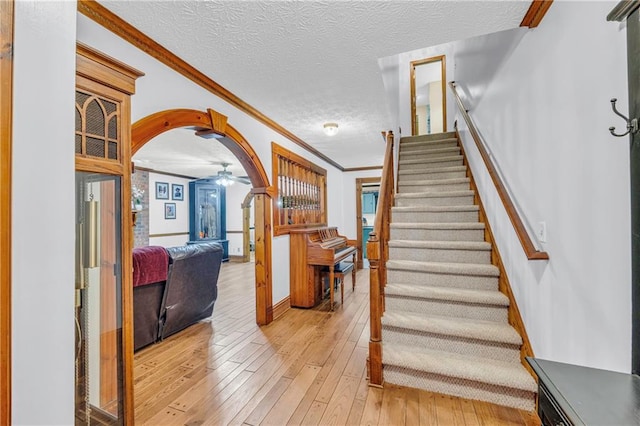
{"points": [[445, 326]]}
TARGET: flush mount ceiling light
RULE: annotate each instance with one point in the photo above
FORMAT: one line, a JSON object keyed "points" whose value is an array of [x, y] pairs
{"points": [[330, 128]]}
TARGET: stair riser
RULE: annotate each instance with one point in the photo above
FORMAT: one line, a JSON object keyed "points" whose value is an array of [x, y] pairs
{"points": [[499, 395], [434, 217], [480, 349], [440, 255], [430, 166], [422, 147], [446, 308], [429, 153], [422, 176], [435, 201], [428, 138], [473, 282], [414, 234], [409, 187]]}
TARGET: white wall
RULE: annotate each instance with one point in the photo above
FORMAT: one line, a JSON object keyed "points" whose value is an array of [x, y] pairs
{"points": [[43, 214], [157, 223], [545, 115]]}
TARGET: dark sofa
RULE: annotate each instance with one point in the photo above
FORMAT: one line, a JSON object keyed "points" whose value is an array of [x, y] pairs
{"points": [[173, 288]]}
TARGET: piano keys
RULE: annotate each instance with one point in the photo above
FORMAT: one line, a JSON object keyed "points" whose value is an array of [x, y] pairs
{"points": [[311, 249]]}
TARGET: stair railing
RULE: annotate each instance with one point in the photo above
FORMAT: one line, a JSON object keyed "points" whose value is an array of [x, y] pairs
{"points": [[378, 254], [529, 248]]}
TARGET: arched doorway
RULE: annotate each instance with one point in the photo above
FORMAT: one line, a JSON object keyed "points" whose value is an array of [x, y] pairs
{"points": [[211, 124]]}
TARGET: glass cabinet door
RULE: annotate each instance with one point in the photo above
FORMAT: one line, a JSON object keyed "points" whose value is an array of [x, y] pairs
{"points": [[99, 336], [207, 215]]}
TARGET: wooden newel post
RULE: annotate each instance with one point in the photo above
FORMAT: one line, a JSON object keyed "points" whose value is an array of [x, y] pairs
{"points": [[375, 345]]}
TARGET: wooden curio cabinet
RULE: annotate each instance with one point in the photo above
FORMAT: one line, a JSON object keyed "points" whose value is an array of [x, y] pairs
{"points": [[104, 343]]}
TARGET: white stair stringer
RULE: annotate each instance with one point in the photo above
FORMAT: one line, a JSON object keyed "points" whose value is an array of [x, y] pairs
{"points": [[446, 325]]}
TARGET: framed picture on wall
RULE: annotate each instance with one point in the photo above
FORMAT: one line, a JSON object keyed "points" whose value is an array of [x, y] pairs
{"points": [[177, 192], [169, 210], [162, 191]]}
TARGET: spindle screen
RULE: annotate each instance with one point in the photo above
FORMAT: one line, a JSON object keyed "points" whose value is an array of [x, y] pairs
{"points": [[301, 192]]}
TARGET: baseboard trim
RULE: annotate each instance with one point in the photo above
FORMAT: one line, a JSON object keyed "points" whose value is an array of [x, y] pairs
{"points": [[281, 307], [236, 259]]}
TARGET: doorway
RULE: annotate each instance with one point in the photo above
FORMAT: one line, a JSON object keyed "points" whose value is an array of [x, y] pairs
{"points": [[366, 204], [428, 96], [210, 124]]}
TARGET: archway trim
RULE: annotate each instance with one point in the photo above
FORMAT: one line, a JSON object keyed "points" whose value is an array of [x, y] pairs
{"points": [[211, 124]]}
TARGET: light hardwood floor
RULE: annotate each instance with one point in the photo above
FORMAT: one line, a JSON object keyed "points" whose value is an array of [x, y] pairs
{"points": [[307, 367]]}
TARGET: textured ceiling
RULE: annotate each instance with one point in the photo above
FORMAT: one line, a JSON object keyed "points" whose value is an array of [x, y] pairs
{"points": [[304, 63]]}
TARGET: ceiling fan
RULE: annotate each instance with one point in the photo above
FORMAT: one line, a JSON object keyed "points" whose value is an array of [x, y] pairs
{"points": [[226, 178]]}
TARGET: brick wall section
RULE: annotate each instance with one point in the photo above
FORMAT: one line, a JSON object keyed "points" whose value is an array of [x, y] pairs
{"points": [[141, 229]]}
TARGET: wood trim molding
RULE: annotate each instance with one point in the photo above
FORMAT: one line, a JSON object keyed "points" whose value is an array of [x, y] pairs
{"points": [[152, 125], [525, 240], [6, 118], [281, 307], [234, 232], [172, 234], [112, 22], [361, 169], [412, 81], [513, 315], [536, 12]]}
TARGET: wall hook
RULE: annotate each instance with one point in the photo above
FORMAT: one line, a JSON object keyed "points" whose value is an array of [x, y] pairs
{"points": [[632, 125]]}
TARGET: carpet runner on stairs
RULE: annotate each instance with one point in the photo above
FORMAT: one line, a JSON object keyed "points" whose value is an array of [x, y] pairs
{"points": [[445, 328]]}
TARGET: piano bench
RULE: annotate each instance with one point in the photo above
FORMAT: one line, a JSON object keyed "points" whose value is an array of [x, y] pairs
{"points": [[339, 271]]}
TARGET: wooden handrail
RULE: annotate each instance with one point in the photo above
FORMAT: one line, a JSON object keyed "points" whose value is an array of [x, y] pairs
{"points": [[525, 240], [378, 254]]}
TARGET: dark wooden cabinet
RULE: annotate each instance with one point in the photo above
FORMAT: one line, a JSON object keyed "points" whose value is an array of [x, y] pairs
{"points": [[574, 395], [207, 214]]}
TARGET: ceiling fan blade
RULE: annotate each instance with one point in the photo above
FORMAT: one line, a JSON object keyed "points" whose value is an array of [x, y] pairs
{"points": [[241, 179]]}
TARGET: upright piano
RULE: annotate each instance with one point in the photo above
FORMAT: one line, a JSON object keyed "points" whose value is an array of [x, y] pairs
{"points": [[311, 250]]}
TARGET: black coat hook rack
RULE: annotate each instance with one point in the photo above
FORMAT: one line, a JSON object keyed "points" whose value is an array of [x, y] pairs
{"points": [[632, 125]]}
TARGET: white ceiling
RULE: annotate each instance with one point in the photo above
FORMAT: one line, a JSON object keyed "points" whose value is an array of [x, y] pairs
{"points": [[304, 63]]}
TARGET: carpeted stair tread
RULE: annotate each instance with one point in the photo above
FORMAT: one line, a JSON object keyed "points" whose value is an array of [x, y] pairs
{"points": [[431, 150], [421, 139], [436, 209], [499, 373], [453, 226], [445, 268], [431, 160], [442, 194], [433, 182], [474, 329], [432, 171], [458, 295], [442, 245]]}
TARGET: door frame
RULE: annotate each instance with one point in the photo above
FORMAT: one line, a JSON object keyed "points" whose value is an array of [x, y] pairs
{"points": [[211, 124], [6, 119], [359, 184], [412, 80]]}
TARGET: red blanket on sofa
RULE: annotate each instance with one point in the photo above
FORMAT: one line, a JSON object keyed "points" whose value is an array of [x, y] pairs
{"points": [[150, 265]]}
